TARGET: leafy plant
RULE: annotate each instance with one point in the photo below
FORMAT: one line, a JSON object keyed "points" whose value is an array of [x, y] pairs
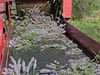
{"points": [[84, 7], [30, 37]]}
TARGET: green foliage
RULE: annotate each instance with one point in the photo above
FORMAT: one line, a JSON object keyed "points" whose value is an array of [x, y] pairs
{"points": [[22, 31], [84, 7], [30, 37], [89, 24], [89, 28], [85, 69]]}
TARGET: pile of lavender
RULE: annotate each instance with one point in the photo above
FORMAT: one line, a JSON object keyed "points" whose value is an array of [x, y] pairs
{"points": [[37, 27], [21, 68], [40, 35]]}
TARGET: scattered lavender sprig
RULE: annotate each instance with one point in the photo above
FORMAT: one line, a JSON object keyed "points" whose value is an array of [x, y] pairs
{"points": [[19, 68]]}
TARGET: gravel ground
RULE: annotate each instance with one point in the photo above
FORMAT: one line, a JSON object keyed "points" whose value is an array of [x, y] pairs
{"points": [[39, 36]]}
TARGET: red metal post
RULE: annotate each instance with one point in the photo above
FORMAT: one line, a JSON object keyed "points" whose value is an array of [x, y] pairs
{"points": [[1, 41], [4, 36], [67, 8]]}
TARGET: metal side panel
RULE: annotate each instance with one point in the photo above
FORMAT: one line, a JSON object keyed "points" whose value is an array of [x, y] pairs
{"points": [[89, 46]]}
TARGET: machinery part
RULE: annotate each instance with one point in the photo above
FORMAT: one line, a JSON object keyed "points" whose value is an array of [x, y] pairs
{"points": [[2, 1], [58, 8], [4, 33], [24, 4], [90, 47], [61, 8]]}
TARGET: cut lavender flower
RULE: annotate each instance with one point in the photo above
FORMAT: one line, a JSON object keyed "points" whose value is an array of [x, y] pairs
{"points": [[19, 68], [43, 38]]}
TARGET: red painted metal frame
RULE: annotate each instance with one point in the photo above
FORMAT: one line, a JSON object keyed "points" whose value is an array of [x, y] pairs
{"points": [[2, 1], [1, 40], [4, 38], [67, 8], [1, 33]]}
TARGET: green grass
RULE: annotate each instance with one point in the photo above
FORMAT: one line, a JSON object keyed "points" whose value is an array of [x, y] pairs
{"points": [[90, 25]]}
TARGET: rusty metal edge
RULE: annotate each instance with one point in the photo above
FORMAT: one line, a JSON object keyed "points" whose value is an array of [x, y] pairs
{"points": [[89, 46]]}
